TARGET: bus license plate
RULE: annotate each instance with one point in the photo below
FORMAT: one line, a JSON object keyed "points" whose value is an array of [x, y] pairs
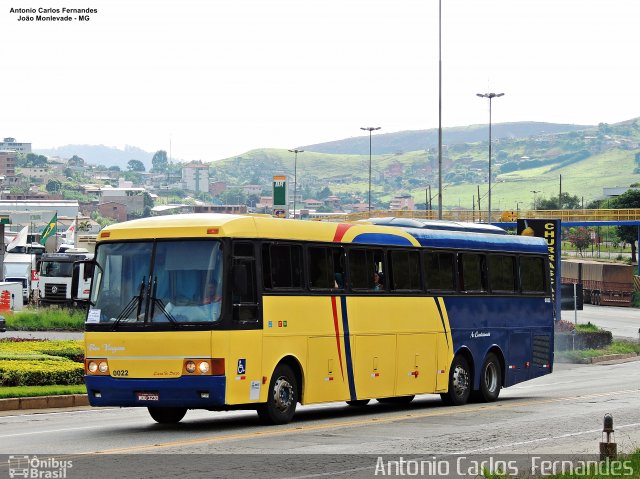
{"points": [[147, 396]]}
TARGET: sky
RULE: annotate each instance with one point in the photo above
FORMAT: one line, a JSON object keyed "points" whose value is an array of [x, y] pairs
{"points": [[210, 79]]}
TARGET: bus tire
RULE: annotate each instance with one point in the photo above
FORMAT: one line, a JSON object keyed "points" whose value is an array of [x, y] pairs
{"points": [[282, 397], [490, 379], [167, 415], [459, 383], [396, 400], [358, 402]]}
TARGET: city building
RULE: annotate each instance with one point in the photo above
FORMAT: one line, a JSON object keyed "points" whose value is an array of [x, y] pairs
{"points": [[8, 164], [131, 198], [114, 210], [195, 177], [402, 202], [67, 208], [11, 144]]}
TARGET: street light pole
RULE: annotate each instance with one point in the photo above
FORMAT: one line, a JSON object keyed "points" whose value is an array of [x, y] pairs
{"points": [[534, 198], [370, 129], [490, 96], [295, 178]]}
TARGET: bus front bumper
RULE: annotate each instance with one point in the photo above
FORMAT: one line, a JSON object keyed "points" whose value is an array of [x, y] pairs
{"points": [[193, 392]]}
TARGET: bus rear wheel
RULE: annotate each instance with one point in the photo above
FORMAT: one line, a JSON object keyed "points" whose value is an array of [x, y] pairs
{"points": [[167, 415], [282, 397], [490, 380], [459, 383]]}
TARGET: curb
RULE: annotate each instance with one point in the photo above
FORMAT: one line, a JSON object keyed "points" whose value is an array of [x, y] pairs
{"points": [[613, 357], [44, 402]]}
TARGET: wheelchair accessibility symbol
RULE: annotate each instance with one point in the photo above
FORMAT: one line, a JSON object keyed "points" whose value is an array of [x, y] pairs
{"points": [[242, 366]]}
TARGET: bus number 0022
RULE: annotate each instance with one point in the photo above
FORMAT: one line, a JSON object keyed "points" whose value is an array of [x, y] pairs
{"points": [[120, 372]]}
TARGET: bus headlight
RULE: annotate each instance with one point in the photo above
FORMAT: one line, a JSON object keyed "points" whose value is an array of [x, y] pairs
{"points": [[199, 367], [97, 366], [190, 367]]}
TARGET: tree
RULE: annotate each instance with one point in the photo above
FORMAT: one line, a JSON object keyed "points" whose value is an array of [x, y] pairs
{"points": [[580, 238], [568, 202], [324, 193], [135, 165], [34, 161], [629, 234], [160, 162], [75, 160], [148, 202], [114, 168], [53, 186]]}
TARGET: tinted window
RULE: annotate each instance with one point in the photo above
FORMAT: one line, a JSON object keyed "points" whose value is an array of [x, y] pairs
{"points": [[532, 275], [439, 271], [502, 273], [326, 267], [365, 267], [472, 272], [282, 266], [405, 270]]}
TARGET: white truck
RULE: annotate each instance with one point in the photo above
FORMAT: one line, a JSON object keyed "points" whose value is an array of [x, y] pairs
{"points": [[61, 283], [20, 268]]}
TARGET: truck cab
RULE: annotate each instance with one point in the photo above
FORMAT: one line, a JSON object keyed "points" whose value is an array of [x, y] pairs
{"points": [[61, 283]]}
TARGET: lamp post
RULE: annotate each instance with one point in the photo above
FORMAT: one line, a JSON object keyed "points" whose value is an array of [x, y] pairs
{"points": [[534, 198], [370, 129], [295, 178], [490, 96]]}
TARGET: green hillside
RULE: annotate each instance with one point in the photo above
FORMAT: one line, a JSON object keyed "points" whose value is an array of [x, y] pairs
{"points": [[588, 160]]}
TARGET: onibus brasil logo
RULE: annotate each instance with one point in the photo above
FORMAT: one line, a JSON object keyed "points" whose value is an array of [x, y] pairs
{"points": [[33, 467]]}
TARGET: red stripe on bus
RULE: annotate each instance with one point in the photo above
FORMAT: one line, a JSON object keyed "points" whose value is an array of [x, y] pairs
{"points": [[335, 325], [340, 231]]}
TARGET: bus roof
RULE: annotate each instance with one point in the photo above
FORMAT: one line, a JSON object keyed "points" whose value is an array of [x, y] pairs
{"points": [[212, 225], [437, 225]]}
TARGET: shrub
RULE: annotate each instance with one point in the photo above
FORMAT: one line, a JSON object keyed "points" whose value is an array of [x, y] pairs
{"points": [[563, 326], [39, 372], [583, 340], [70, 349]]}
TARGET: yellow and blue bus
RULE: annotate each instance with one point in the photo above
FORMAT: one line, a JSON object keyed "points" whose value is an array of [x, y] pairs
{"points": [[220, 312]]}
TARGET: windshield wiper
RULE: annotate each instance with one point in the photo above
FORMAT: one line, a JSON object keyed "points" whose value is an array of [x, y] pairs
{"points": [[136, 301], [156, 301]]}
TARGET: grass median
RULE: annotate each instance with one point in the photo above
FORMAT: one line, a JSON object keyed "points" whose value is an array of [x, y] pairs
{"points": [[46, 319]]}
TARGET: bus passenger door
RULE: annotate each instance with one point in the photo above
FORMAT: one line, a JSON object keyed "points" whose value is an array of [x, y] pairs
{"points": [[416, 364]]}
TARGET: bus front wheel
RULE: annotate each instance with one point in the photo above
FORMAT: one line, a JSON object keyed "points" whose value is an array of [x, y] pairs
{"points": [[459, 383], [282, 397], [167, 415]]}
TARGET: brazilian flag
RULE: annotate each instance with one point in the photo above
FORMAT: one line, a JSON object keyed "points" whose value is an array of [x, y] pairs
{"points": [[50, 230]]}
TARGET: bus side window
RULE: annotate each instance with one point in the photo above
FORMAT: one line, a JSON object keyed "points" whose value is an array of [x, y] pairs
{"points": [[532, 275], [244, 288], [364, 265], [472, 272], [502, 273], [326, 267], [405, 270], [439, 271], [282, 266]]}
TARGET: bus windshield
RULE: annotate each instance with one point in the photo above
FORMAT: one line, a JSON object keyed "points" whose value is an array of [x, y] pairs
{"points": [[163, 281]]}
